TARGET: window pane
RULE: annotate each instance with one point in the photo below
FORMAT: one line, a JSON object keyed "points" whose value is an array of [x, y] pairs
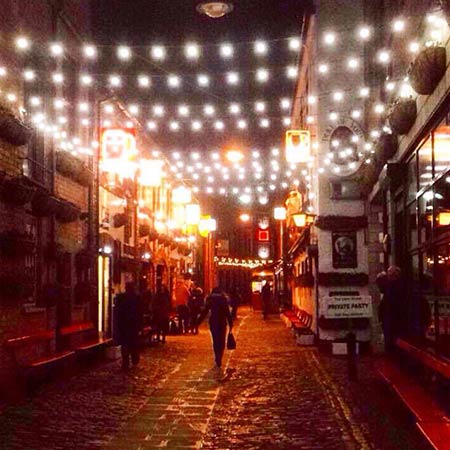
{"points": [[441, 149], [412, 180], [412, 226], [442, 207], [425, 167], [425, 216]]}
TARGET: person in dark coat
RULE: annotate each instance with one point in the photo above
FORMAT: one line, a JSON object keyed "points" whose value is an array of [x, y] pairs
{"points": [[128, 310], [216, 304], [195, 305], [235, 299], [266, 298], [160, 313], [392, 306]]}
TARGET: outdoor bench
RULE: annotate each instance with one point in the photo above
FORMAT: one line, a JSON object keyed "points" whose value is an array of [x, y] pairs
{"points": [[431, 420], [82, 337]]}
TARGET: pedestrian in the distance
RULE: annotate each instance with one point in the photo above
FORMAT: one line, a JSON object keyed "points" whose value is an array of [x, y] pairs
{"points": [[219, 316], [160, 313], [235, 299], [128, 310], [195, 305], [266, 298], [392, 307], [181, 305]]}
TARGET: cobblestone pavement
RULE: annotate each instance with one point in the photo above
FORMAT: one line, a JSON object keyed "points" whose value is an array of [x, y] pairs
{"points": [[276, 396]]}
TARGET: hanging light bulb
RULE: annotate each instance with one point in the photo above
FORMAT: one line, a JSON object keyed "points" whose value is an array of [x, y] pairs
{"points": [[260, 47], [226, 51], [144, 81], [124, 53], [192, 51], [203, 80], [89, 51], [158, 52], [22, 43]]}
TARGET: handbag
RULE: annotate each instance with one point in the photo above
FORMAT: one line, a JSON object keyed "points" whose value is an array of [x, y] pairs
{"points": [[231, 341]]}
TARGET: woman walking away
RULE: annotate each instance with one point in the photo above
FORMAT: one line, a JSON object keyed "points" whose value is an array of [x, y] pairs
{"points": [[217, 306], [195, 305], [160, 311]]}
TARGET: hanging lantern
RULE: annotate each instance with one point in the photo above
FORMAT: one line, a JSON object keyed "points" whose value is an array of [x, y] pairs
{"points": [[298, 146], [206, 225]]}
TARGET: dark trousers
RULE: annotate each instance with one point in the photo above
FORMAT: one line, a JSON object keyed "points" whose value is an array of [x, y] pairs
{"points": [[127, 352], [183, 314], [193, 319], [218, 337]]}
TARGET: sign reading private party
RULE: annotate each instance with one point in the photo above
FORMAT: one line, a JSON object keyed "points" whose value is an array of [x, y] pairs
{"points": [[350, 307]]}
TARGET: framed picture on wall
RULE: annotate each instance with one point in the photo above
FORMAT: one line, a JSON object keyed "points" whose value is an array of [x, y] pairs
{"points": [[344, 250]]}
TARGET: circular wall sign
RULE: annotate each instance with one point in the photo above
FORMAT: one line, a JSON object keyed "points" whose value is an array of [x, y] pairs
{"points": [[344, 142]]}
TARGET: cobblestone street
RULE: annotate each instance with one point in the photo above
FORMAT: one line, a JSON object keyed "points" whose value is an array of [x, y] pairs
{"points": [[276, 396]]}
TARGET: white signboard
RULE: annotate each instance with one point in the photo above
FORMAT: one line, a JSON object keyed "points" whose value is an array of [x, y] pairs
{"points": [[347, 307]]}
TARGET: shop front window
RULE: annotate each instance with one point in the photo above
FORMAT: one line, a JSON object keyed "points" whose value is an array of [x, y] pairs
{"points": [[442, 207], [441, 149], [425, 216], [412, 226], [425, 164]]}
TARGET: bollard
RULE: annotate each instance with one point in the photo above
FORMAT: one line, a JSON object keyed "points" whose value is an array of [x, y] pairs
{"points": [[351, 357]]}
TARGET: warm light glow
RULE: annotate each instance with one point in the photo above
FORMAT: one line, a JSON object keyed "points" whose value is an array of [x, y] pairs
{"points": [[192, 213], [444, 219], [151, 172], [158, 52], [279, 213], [298, 146], [244, 217], [299, 220], [234, 156], [182, 195]]}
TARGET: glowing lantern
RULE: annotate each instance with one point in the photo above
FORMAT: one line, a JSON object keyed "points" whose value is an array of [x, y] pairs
{"points": [[178, 216], [279, 213], [298, 146], [192, 214], [444, 219], [206, 225], [182, 195], [118, 151], [299, 219], [151, 172]]}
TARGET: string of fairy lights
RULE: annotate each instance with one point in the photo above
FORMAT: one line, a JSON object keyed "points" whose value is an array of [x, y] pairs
{"points": [[217, 114]]}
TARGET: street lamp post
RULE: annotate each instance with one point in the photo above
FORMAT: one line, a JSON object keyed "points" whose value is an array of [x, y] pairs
{"points": [[280, 215]]}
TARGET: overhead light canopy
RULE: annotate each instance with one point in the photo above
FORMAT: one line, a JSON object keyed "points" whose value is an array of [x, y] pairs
{"points": [[214, 10]]}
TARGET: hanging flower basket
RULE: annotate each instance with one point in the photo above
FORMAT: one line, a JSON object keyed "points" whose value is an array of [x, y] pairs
{"points": [[72, 167], [144, 230], [15, 192], [445, 5], [16, 244], [67, 212], [153, 235], [386, 147], [44, 204], [14, 287], [403, 115], [427, 69], [119, 220], [12, 129]]}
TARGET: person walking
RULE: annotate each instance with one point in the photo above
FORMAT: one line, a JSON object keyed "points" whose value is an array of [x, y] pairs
{"points": [[128, 311], [219, 315], [160, 313], [392, 306], [266, 297], [195, 305], [181, 305], [235, 299]]}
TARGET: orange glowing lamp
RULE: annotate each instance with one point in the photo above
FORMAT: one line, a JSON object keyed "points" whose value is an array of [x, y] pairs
{"points": [[298, 146]]}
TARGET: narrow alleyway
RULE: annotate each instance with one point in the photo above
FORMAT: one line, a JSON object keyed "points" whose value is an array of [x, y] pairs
{"points": [[277, 396]]}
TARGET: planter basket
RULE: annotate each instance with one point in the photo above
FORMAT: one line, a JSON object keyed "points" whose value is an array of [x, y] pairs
{"points": [[144, 230], [14, 244], [403, 116], [44, 204], [16, 192], [72, 167], [427, 70], [67, 212], [119, 220], [12, 129]]}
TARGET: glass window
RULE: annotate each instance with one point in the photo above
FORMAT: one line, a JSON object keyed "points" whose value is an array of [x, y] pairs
{"points": [[412, 226], [425, 164], [412, 180], [441, 148], [425, 203], [442, 206]]}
